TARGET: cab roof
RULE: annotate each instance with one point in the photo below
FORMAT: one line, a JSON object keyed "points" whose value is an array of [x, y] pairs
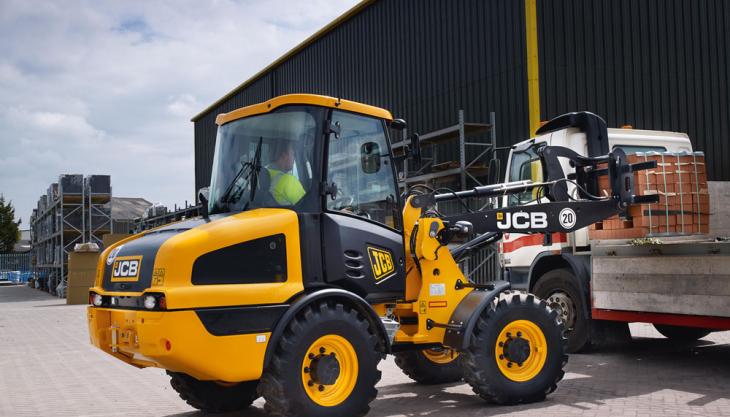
{"points": [[305, 99]]}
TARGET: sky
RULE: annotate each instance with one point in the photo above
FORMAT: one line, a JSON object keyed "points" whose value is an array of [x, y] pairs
{"points": [[109, 87]]}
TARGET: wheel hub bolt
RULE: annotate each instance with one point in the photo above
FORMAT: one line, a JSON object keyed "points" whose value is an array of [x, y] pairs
{"points": [[321, 387], [519, 334], [321, 350], [509, 364], [501, 356], [310, 383], [306, 370], [311, 356]]}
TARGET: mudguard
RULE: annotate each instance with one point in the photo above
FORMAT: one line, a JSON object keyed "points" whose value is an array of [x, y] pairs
{"points": [[467, 313], [303, 300], [580, 266]]}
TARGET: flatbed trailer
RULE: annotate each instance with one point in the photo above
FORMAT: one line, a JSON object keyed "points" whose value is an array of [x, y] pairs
{"points": [[679, 283]]}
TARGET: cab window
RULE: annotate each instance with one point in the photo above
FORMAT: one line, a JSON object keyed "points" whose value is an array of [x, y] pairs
{"points": [[358, 165]]}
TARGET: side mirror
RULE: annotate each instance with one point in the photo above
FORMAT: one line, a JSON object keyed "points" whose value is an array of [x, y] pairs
{"points": [[398, 124], [416, 149], [204, 197], [370, 157]]}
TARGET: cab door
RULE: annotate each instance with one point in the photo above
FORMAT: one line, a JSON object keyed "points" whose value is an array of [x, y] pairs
{"points": [[361, 227]]}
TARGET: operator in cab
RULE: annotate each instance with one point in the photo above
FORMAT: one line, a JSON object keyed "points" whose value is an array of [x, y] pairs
{"points": [[285, 187]]}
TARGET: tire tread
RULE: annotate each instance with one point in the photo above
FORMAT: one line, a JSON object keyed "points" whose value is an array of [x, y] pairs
{"points": [[475, 374], [278, 403]]}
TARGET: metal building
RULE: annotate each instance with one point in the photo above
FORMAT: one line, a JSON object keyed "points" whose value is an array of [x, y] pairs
{"points": [[661, 64]]}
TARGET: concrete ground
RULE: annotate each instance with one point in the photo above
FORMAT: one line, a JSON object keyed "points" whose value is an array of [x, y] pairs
{"points": [[48, 368]]}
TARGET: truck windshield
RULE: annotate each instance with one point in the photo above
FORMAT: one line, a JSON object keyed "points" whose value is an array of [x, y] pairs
{"points": [[264, 160]]}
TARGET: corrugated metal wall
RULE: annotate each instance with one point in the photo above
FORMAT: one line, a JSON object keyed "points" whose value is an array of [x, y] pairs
{"points": [[661, 64], [421, 59]]}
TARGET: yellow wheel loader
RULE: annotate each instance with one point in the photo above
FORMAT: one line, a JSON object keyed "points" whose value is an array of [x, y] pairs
{"points": [[307, 268]]}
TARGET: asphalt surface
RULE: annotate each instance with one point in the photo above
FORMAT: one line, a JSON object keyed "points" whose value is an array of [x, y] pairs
{"points": [[48, 368]]}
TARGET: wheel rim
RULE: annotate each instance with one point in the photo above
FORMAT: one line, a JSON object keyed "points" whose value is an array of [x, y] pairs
{"points": [[329, 370], [440, 356], [564, 306], [521, 350]]}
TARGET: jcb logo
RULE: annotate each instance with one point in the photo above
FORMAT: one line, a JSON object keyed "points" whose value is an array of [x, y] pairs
{"points": [[382, 263], [521, 220], [126, 268]]}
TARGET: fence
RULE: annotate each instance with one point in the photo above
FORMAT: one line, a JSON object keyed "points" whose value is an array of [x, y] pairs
{"points": [[15, 267]]}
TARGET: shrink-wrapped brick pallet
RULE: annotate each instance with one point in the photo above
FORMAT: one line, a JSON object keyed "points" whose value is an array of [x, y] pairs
{"points": [[680, 181]]}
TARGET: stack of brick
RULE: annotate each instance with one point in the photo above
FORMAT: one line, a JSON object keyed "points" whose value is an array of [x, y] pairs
{"points": [[680, 181]]}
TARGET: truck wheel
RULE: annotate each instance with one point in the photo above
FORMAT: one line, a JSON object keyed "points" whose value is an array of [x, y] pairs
{"points": [[324, 365], [430, 366], [681, 333], [559, 288], [211, 396], [516, 353]]}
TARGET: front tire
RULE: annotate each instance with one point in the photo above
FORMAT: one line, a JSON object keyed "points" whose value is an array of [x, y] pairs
{"points": [[516, 353], [324, 365], [681, 333], [211, 396], [560, 289], [430, 366]]}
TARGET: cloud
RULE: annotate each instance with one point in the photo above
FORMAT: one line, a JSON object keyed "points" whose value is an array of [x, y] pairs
{"points": [[183, 105], [100, 87]]}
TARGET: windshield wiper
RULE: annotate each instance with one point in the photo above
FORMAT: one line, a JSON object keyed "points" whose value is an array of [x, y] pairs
{"points": [[226, 196], [254, 180], [249, 171]]}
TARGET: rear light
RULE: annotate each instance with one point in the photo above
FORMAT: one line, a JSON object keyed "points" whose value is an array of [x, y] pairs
{"points": [[150, 302], [95, 299]]}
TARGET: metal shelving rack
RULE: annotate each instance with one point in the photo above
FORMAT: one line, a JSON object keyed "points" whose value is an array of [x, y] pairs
{"points": [[66, 215], [466, 167], [98, 213], [476, 158]]}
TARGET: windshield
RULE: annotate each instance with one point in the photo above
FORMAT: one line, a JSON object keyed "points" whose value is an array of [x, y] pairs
{"points": [[272, 152]]}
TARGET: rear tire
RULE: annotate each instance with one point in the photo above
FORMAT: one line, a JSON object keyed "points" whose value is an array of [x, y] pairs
{"points": [[302, 378], [430, 366], [560, 289], [212, 397], [487, 361], [681, 333]]}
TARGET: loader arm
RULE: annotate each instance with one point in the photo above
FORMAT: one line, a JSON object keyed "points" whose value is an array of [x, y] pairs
{"points": [[562, 212]]}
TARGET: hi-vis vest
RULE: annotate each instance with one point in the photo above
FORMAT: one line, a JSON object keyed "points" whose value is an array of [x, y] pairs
{"points": [[285, 188]]}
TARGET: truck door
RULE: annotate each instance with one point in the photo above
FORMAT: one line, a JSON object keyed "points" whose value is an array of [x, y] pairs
{"points": [[519, 250], [362, 230]]}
